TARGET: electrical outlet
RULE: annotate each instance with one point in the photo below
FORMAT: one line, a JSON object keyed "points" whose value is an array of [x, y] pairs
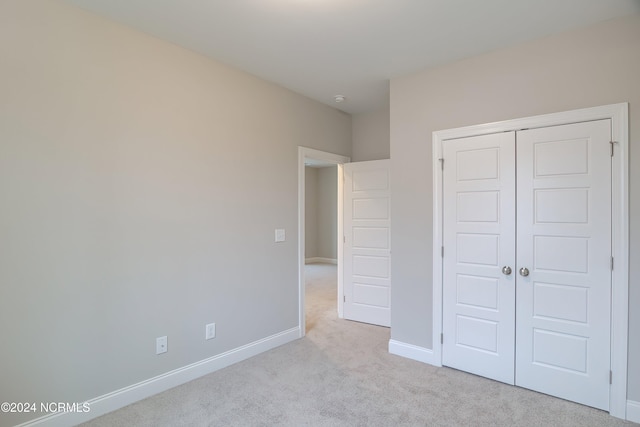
{"points": [[280, 235], [210, 331], [161, 345]]}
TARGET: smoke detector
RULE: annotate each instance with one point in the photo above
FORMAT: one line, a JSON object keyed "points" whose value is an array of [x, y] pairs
{"points": [[339, 98]]}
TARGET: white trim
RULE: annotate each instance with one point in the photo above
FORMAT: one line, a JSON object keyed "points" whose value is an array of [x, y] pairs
{"points": [[619, 115], [633, 411], [620, 251], [125, 396], [413, 352], [336, 159], [438, 242], [321, 260], [340, 206]]}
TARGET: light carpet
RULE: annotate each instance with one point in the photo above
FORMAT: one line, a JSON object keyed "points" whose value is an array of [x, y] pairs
{"points": [[341, 374]]}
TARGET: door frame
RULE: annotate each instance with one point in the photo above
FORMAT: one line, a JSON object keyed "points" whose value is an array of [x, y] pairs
{"points": [[305, 155], [619, 116]]}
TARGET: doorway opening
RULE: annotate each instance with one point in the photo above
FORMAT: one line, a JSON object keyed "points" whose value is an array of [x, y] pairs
{"points": [[316, 159]]}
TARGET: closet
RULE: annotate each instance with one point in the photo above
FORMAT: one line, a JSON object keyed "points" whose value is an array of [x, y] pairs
{"points": [[527, 258]]}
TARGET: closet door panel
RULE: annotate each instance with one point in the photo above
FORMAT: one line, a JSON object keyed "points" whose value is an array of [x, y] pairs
{"points": [[479, 236], [564, 241]]}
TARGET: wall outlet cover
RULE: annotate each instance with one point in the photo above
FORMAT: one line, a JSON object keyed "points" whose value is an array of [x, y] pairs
{"points": [[161, 345], [210, 331]]}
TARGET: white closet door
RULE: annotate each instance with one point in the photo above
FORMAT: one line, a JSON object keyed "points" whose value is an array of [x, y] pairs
{"points": [[479, 240], [367, 251], [564, 240]]}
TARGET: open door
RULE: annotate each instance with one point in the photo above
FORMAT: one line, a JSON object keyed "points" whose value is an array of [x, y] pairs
{"points": [[367, 250]]}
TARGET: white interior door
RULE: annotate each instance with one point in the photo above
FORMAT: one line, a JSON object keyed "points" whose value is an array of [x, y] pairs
{"points": [[367, 250], [479, 240], [557, 226], [564, 240]]}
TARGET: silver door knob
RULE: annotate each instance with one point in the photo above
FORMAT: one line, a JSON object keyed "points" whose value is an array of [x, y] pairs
{"points": [[506, 270], [524, 271]]}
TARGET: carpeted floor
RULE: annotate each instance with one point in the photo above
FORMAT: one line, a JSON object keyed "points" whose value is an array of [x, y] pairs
{"points": [[341, 374]]}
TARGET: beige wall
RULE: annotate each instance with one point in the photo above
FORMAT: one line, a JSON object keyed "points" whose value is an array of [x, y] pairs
{"points": [[589, 67], [370, 136], [140, 186], [328, 212], [311, 212], [321, 219]]}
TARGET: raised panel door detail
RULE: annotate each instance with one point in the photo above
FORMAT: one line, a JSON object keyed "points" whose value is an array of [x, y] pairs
{"points": [[560, 351], [560, 302], [371, 208], [478, 249], [562, 205], [568, 157], [558, 253], [371, 295], [479, 292], [479, 206], [370, 266], [371, 237], [479, 334], [474, 165], [365, 180]]}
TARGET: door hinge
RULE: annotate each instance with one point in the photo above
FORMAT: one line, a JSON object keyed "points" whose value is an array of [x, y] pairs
{"points": [[611, 263], [610, 377], [612, 144], [441, 338], [441, 163], [344, 239], [344, 298], [442, 251]]}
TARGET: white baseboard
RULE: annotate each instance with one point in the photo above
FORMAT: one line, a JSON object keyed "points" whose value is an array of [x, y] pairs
{"points": [[633, 411], [414, 352], [133, 393], [316, 260]]}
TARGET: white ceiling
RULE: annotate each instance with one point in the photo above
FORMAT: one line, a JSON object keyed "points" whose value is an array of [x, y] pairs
{"points": [[321, 48]]}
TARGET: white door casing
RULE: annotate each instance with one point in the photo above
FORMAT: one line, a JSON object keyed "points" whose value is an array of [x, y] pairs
{"points": [[367, 250], [564, 240], [479, 240]]}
